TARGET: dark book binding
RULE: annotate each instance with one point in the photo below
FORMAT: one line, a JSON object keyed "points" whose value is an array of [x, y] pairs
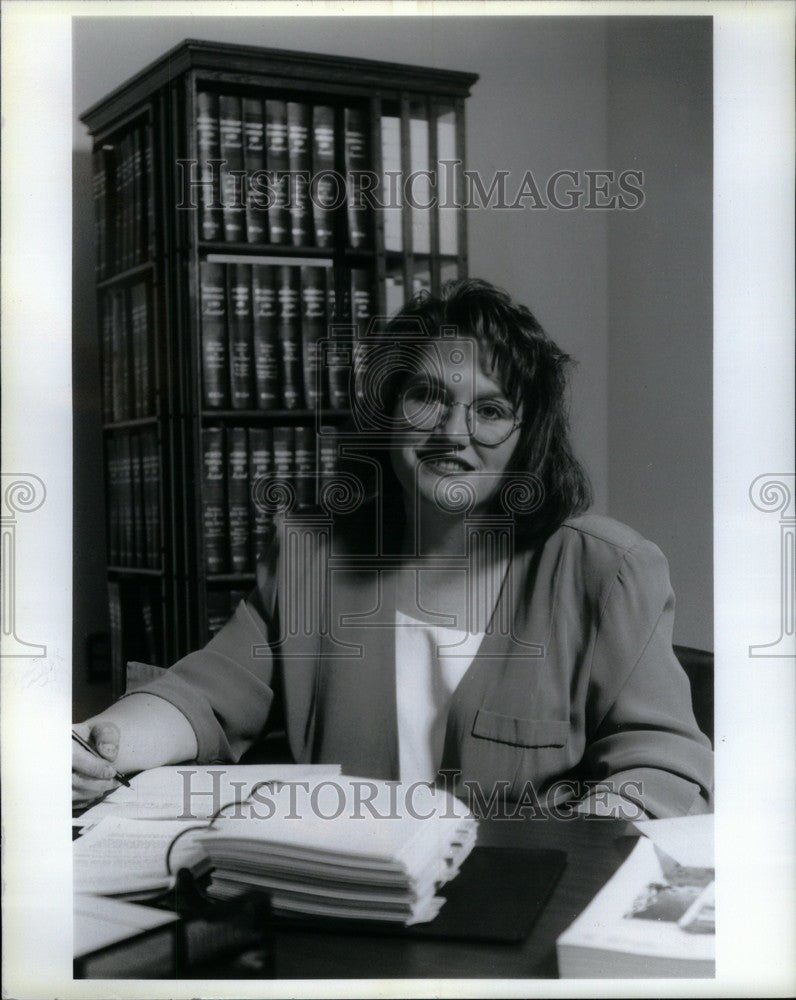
{"points": [[215, 361], [207, 146], [151, 473], [264, 322], [300, 163], [313, 329], [239, 321], [276, 159], [284, 457], [238, 499], [230, 139], [356, 163], [325, 186], [100, 188], [214, 500], [254, 165], [289, 289], [362, 311], [305, 467], [261, 468]]}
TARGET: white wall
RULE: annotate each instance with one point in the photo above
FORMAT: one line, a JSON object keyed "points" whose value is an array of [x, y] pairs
{"points": [[544, 103]]}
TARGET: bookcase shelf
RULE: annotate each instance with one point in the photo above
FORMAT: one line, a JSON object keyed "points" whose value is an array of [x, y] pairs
{"points": [[213, 299]]}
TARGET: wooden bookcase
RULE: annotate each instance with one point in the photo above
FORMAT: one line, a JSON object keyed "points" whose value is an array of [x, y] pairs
{"points": [[162, 238]]}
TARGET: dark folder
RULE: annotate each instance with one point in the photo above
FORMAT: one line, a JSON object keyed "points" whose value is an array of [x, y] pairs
{"points": [[497, 896]]}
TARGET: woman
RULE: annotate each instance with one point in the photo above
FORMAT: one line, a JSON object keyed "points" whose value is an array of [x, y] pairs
{"points": [[469, 618]]}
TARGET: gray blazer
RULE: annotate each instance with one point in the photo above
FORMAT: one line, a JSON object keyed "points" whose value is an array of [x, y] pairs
{"points": [[575, 681]]}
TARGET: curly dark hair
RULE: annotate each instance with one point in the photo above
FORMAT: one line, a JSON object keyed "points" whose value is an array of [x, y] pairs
{"points": [[532, 370]]}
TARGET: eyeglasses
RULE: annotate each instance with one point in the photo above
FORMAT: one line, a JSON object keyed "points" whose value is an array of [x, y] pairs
{"points": [[489, 421]]}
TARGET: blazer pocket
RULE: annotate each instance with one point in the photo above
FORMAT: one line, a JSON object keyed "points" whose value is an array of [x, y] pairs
{"points": [[520, 732]]}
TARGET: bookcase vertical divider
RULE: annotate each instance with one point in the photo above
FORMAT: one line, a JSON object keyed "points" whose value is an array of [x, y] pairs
{"points": [[461, 215], [406, 218]]}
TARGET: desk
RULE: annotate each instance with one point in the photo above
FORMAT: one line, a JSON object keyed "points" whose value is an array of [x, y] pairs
{"points": [[595, 849]]}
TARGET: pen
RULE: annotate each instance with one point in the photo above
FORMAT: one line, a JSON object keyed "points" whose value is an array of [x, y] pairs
{"points": [[87, 746]]}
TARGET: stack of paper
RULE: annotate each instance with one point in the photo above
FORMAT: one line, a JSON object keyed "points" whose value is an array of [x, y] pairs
{"points": [[654, 918], [356, 848]]}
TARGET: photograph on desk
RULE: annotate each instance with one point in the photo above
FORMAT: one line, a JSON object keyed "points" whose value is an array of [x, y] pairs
{"points": [[393, 444]]}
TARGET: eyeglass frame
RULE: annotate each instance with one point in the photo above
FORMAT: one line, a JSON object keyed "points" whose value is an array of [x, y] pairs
{"points": [[468, 407]]}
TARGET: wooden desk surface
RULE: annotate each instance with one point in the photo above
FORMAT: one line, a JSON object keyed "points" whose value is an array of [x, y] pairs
{"points": [[595, 848]]}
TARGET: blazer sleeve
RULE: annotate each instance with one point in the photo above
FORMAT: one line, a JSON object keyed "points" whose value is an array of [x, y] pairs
{"points": [[226, 689], [642, 738]]}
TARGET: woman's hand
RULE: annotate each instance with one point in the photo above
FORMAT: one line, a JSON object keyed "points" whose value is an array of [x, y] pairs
{"points": [[93, 777]]}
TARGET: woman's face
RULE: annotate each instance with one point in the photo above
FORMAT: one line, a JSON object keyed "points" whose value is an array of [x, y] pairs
{"points": [[465, 454]]}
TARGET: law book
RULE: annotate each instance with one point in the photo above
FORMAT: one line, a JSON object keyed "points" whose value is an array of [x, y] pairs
{"points": [[230, 138], [107, 357], [289, 330], [217, 611], [100, 190], [313, 329], [141, 351], [300, 163], [239, 321], [128, 221], [150, 630], [327, 455], [214, 511], [120, 356], [265, 346], [138, 536], [362, 311], [276, 159], [238, 499], [254, 165], [215, 358], [211, 224], [151, 476], [325, 187], [149, 193], [126, 501], [120, 196], [138, 215], [116, 634], [114, 501], [261, 469], [356, 163], [284, 441], [305, 473], [338, 361], [392, 178]]}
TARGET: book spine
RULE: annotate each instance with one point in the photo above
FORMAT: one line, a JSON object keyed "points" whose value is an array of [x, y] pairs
{"points": [[210, 220], [300, 162], [238, 499], [107, 358], [290, 336], [151, 499], [313, 328], [284, 455], [127, 203], [125, 501], [149, 631], [356, 162], [239, 311], [99, 188], [230, 130], [362, 311], [261, 468], [217, 611], [338, 360], [254, 165], [213, 499], [149, 192], [264, 321], [115, 185], [327, 455], [138, 346], [118, 356], [113, 496], [137, 534], [324, 189], [305, 467], [117, 637], [276, 158], [138, 216], [215, 363]]}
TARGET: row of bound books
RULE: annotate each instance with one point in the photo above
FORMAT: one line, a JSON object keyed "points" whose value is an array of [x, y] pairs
{"points": [[261, 328], [237, 464], [268, 175], [136, 626], [128, 369], [133, 475], [124, 202]]}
